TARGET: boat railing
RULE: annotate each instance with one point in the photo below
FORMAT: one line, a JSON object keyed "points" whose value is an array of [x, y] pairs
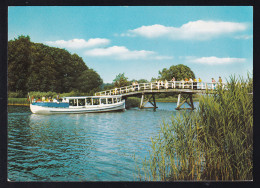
{"points": [[162, 86]]}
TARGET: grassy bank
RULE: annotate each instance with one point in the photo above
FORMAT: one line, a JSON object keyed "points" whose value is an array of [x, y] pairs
{"points": [[213, 143], [18, 101], [132, 102], [16, 98], [175, 99]]}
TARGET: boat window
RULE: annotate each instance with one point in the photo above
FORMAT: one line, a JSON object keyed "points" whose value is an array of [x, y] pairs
{"points": [[81, 102], [95, 101], [73, 102], [109, 100], [114, 99], [89, 101], [103, 101], [118, 99]]}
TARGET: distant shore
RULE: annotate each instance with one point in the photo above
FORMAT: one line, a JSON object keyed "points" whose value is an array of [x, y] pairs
{"points": [[18, 102], [24, 102], [174, 100], [9, 104]]}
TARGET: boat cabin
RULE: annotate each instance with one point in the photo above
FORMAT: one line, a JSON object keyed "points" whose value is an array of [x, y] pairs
{"points": [[92, 100]]}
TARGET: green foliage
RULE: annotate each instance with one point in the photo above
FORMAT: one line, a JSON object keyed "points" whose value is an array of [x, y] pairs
{"points": [[213, 143], [38, 94], [142, 81], [138, 81], [16, 94], [107, 86], [162, 95], [153, 79], [227, 124], [121, 80], [18, 101], [19, 54], [37, 67], [178, 71], [88, 80], [132, 102]]}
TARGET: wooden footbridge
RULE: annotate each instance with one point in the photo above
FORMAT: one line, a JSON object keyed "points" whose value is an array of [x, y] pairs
{"points": [[147, 91]]}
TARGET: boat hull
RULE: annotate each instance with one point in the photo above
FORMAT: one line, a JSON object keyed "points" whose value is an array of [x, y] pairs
{"points": [[79, 109]]}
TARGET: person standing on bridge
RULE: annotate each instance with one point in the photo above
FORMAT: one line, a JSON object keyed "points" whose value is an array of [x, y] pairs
{"points": [[162, 85], [195, 83], [200, 84], [166, 84], [183, 83], [173, 80], [186, 82], [213, 85], [136, 86], [190, 83], [220, 80], [133, 85]]}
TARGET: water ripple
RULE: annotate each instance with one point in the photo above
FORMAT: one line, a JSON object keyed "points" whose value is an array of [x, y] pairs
{"points": [[80, 147]]}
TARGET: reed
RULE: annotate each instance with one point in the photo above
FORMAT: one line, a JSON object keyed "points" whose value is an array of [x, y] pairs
{"points": [[18, 101], [213, 143]]}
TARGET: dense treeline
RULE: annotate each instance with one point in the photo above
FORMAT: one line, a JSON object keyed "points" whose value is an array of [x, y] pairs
{"points": [[38, 67]]}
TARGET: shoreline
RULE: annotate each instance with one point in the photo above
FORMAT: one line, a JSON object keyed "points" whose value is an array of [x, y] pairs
{"points": [[174, 100], [157, 100], [18, 104]]}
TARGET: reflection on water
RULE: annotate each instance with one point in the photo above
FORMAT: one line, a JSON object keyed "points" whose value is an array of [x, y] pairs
{"points": [[81, 147]]}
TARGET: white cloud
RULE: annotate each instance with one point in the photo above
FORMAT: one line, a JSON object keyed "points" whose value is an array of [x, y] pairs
{"points": [[244, 37], [216, 60], [122, 53], [196, 30], [79, 43]]}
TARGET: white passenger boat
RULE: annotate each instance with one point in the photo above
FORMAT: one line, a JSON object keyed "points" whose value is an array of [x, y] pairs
{"points": [[84, 104]]}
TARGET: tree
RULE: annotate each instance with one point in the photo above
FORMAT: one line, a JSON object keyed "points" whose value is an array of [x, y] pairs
{"points": [[38, 67], [107, 86], [121, 80], [142, 81], [153, 79], [178, 71], [19, 59], [88, 80]]}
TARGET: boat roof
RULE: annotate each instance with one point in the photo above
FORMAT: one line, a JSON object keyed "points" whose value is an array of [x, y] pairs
{"points": [[84, 97]]}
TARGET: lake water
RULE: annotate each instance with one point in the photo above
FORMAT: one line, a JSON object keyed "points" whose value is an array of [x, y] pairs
{"points": [[81, 147]]}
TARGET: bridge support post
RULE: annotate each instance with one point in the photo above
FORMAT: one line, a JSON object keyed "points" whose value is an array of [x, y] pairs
{"points": [[145, 100], [185, 99]]}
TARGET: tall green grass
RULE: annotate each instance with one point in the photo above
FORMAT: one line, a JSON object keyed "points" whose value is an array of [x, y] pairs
{"points": [[18, 101], [213, 143]]}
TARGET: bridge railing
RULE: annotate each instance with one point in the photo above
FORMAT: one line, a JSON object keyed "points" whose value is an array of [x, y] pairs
{"points": [[162, 86]]}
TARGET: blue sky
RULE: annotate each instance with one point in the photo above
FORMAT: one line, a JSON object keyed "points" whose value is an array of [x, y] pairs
{"points": [[140, 41]]}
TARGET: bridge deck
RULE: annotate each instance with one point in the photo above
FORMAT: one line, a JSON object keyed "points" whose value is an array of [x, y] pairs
{"points": [[163, 87], [177, 91], [178, 87]]}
